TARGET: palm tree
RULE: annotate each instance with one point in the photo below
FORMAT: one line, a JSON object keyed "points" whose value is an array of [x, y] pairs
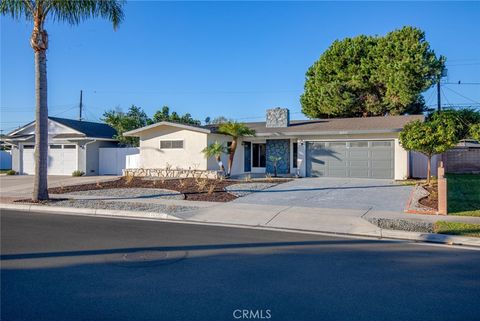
{"points": [[37, 11], [216, 150], [235, 130]]}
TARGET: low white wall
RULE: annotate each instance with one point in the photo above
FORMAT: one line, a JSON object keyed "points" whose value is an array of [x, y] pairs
{"points": [[112, 161], [401, 162], [5, 159]]}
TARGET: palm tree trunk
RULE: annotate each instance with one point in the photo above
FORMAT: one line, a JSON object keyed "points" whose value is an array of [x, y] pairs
{"points": [[220, 164], [233, 147], [39, 44]]}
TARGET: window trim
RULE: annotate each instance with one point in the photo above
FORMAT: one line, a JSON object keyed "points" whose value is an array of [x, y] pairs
{"points": [[172, 140]]}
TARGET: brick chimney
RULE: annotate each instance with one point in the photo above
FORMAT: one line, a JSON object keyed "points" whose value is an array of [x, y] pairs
{"points": [[278, 117]]}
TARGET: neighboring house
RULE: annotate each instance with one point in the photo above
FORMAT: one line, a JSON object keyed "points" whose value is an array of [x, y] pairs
{"points": [[73, 145], [338, 147]]}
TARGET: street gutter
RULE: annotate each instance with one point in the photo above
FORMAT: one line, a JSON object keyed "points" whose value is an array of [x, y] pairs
{"points": [[384, 234]]}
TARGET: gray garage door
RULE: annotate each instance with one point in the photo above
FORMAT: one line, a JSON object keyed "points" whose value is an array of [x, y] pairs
{"points": [[363, 159]]}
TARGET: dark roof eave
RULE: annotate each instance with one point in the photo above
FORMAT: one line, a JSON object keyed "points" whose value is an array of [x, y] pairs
{"points": [[329, 133]]}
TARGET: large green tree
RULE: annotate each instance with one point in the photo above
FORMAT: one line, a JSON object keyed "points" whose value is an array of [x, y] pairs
{"points": [[372, 76], [38, 12], [134, 118], [439, 133], [165, 115]]}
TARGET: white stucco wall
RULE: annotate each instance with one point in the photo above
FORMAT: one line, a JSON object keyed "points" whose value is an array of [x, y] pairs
{"points": [[401, 162], [191, 156]]}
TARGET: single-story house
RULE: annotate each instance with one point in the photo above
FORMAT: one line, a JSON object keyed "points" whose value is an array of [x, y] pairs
{"points": [[73, 145], [339, 147]]}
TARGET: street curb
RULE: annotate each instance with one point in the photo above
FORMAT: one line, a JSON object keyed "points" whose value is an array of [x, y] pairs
{"points": [[87, 211], [378, 234]]}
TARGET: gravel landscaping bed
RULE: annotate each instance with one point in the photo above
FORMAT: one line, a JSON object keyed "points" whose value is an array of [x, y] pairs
{"points": [[210, 190], [410, 225], [123, 206], [243, 189], [133, 192]]}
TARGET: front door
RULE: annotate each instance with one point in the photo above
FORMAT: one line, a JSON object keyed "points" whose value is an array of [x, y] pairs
{"points": [[259, 158]]}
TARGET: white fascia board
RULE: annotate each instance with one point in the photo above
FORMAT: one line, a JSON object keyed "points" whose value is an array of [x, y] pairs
{"points": [[135, 132]]}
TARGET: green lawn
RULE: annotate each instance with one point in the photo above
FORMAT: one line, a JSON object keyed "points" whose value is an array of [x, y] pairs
{"points": [[454, 228], [2, 171], [463, 194]]}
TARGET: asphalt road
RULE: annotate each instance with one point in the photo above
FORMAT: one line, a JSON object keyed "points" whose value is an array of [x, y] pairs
{"points": [[59, 267]]}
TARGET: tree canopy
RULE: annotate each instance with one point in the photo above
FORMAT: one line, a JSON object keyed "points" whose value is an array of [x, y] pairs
{"points": [[134, 118], [439, 133], [165, 115], [372, 76]]}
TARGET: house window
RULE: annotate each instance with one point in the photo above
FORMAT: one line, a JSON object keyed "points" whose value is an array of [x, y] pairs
{"points": [[295, 154], [69, 146], [359, 144], [28, 146], [55, 146], [259, 155], [381, 144], [171, 144]]}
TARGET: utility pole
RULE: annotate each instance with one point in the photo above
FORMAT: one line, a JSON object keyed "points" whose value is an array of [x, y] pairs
{"points": [[439, 99], [81, 106]]}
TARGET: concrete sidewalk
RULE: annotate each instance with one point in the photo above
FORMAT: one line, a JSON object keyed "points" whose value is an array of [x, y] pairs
{"points": [[281, 216]]}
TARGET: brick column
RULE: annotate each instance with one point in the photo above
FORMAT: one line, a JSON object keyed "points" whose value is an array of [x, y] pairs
{"points": [[442, 190]]}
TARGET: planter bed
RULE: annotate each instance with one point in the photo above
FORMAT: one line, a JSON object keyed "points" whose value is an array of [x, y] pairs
{"points": [[210, 190]]}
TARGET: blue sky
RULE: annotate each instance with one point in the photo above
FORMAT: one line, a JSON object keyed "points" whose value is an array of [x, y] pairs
{"points": [[218, 58]]}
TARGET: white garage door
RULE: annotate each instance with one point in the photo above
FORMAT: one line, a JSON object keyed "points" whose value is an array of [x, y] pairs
{"points": [[62, 159], [28, 159]]}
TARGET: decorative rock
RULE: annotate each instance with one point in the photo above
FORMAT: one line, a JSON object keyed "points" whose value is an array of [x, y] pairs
{"points": [[133, 193], [243, 189]]}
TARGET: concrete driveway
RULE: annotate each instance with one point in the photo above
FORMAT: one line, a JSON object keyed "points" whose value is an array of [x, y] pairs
{"points": [[335, 193], [21, 186]]}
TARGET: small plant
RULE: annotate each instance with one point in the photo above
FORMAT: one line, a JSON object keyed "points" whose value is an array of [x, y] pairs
{"points": [[98, 185], [211, 188], [201, 184], [129, 178], [248, 178], [275, 160], [268, 177], [182, 183], [61, 188], [11, 172], [77, 173]]}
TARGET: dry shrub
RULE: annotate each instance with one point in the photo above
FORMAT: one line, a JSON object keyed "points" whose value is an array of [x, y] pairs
{"points": [[212, 188], [98, 185], [269, 177], [248, 178], [128, 179], [201, 184], [182, 183]]}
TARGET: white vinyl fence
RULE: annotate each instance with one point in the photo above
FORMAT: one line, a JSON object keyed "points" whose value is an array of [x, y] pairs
{"points": [[112, 161], [5, 159]]}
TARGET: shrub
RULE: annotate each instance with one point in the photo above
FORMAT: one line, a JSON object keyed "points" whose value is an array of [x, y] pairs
{"points": [[78, 173], [11, 172]]}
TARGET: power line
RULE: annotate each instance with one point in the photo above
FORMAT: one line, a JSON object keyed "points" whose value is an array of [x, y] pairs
{"points": [[461, 83], [459, 94]]}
